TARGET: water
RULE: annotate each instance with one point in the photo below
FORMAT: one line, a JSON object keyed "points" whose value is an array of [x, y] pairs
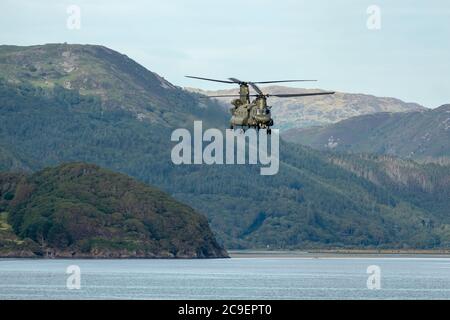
{"points": [[236, 278]]}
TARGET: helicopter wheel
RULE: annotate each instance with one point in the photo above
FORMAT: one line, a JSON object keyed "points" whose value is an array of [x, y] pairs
{"points": [[231, 127], [269, 131]]}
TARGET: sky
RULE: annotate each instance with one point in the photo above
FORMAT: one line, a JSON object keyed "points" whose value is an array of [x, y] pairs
{"points": [[399, 49]]}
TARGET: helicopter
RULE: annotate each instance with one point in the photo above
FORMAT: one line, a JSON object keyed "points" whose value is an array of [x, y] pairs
{"points": [[254, 114]]}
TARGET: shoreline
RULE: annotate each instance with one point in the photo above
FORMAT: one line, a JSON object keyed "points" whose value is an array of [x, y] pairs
{"points": [[341, 253], [270, 254]]}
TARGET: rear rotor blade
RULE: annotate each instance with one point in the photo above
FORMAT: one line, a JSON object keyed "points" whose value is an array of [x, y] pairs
{"points": [[236, 80], [255, 87], [279, 81], [284, 95], [207, 79], [287, 95]]}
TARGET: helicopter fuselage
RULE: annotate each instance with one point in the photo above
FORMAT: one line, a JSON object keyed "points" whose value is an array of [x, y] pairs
{"points": [[250, 115], [255, 114]]}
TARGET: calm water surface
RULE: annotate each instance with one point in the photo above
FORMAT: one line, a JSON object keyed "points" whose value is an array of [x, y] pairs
{"points": [[236, 278]]}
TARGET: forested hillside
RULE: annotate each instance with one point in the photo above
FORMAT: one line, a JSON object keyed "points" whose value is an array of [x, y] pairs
{"points": [[81, 210]]}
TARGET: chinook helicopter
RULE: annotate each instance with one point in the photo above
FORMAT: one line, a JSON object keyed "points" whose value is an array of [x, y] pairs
{"points": [[254, 114]]}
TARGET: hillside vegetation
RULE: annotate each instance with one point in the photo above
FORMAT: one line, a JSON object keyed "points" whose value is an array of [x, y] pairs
{"points": [[81, 210]]}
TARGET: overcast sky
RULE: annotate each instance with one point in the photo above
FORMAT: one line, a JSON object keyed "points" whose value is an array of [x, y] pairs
{"points": [[408, 58]]}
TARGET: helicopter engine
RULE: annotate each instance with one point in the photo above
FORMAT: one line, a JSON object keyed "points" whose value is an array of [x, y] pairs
{"points": [[262, 114]]}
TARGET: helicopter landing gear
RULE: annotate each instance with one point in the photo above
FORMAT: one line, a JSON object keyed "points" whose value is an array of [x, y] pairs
{"points": [[269, 131]]}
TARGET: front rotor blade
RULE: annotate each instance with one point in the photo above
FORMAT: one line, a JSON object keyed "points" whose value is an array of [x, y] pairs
{"points": [[287, 95], [223, 96], [207, 79], [279, 81]]}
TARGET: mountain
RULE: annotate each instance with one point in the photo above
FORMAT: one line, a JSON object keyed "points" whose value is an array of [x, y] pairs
{"points": [[421, 135], [314, 201], [304, 112], [81, 210], [117, 81]]}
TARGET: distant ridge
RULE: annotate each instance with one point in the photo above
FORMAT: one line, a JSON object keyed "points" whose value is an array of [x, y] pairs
{"points": [[422, 135], [291, 113]]}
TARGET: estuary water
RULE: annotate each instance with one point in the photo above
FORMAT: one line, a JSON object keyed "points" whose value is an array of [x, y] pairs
{"points": [[235, 278]]}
